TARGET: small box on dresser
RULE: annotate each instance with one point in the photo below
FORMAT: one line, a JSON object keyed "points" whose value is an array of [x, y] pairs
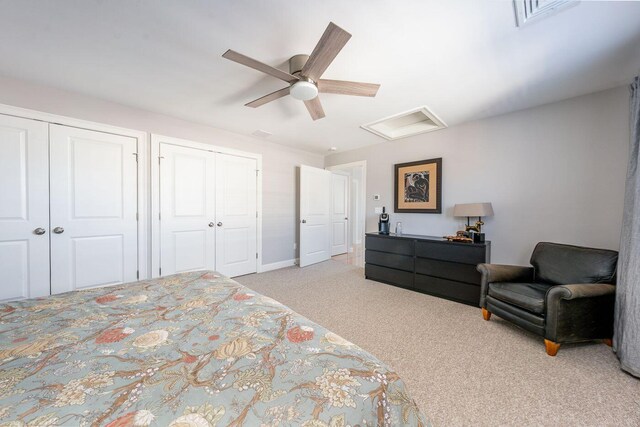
{"points": [[427, 264]]}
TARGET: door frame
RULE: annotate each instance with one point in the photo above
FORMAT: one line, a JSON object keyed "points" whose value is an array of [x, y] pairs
{"points": [[142, 141], [363, 191], [156, 139]]}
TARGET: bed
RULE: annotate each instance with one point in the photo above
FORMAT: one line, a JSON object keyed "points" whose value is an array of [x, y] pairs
{"points": [[193, 349]]}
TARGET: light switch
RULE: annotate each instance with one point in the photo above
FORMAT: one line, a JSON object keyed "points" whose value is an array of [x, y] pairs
{"points": [[378, 209]]}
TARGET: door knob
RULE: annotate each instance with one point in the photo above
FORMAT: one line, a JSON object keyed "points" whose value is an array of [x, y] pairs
{"points": [[219, 224], [39, 231], [58, 230], [304, 221], [211, 224]]}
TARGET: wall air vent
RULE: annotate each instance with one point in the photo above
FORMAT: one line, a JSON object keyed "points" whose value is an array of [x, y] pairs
{"points": [[409, 123], [532, 10]]}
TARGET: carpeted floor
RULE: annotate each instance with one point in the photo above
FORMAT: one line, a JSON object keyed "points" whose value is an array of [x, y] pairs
{"points": [[460, 369]]}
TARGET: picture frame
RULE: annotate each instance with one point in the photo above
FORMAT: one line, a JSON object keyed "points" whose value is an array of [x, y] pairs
{"points": [[418, 187]]}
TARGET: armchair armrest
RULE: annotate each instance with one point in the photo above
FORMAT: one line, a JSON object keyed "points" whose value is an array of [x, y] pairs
{"points": [[578, 312], [492, 273], [580, 290]]}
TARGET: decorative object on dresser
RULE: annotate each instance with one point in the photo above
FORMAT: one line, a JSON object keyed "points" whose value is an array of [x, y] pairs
{"points": [[474, 210], [383, 222], [418, 186], [427, 264], [566, 296]]}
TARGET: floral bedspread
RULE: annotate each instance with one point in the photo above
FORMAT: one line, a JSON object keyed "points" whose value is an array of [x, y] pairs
{"points": [[193, 349]]}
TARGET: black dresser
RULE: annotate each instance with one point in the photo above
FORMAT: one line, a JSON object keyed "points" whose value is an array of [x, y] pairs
{"points": [[427, 264]]}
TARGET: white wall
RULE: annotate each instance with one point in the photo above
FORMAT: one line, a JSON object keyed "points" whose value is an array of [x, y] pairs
{"points": [[553, 173], [279, 163]]}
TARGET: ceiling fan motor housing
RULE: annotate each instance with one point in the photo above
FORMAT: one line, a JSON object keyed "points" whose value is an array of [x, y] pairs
{"points": [[305, 88], [296, 63]]}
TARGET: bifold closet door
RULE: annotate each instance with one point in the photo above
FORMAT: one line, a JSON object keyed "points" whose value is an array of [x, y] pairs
{"points": [[24, 209], [236, 215], [93, 202], [187, 209]]}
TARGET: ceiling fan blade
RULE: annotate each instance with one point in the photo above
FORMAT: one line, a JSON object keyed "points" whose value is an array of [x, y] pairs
{"points": [[315, 108], [330, 44], [342, 87], [257, 65], [268, 98]]}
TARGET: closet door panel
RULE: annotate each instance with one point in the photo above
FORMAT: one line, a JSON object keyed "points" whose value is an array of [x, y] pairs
{"points": [[187, 209], [24, 209], [236, 204], [93, 209]]}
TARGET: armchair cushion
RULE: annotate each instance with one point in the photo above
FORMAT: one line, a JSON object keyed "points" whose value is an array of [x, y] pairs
{"points": [[561, 264], [501, 273], [528, 296]]}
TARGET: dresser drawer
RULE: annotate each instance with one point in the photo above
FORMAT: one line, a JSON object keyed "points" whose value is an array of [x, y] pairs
{"points": [[385, 259], [463, 292], [389, 244], [388, 275], [448, 270], [448, 252]]}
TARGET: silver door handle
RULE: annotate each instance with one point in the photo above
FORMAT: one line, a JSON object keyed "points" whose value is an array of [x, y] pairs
{"points": [[58, 230], [211, 224], [219, 224], [39, 231], [304, 221]]}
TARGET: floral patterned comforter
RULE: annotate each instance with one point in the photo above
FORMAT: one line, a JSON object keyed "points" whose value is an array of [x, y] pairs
{"points": [[193, 349]]}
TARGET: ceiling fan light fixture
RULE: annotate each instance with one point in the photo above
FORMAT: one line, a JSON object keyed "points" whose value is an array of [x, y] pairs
{"points": [[303, 90]]}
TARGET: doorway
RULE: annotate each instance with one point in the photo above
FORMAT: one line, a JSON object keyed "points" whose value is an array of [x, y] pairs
{"points": [[356, 173]]}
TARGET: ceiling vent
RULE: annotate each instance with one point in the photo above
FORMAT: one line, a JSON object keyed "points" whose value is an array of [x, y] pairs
{"points": [[532, 10], [261, 133], [409, 123]]}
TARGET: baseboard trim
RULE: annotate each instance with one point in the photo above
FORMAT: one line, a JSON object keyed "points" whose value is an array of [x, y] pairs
{"points": [[278, 265]]}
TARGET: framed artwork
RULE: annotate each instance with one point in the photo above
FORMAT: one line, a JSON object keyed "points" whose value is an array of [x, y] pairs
{"points": [[418, 186]]}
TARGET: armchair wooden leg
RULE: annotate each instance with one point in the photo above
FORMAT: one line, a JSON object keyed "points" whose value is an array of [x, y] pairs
{"points": [[608, 341], [551, 347], [486, 314]]}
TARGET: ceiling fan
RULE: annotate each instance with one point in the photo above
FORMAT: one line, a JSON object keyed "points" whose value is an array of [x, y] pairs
{"points": [[305, 72]]}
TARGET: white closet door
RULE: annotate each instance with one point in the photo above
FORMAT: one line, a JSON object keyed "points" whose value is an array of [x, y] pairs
{"points": [[187, 209], [24, 209], [315, 215], [339, 213], [93, 184], [236, 215]]}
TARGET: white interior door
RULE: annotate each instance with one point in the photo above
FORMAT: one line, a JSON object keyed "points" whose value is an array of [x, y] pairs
{"points": [[93, 202], [236, 215], [24, 208], [339, 213], [315, 215], [187, 209]]}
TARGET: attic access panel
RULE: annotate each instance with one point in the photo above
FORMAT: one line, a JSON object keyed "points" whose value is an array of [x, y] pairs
{"points": [[412, 122]]}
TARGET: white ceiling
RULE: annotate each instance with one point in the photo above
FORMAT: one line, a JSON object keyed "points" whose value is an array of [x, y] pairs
{"points": [[463, 59]]}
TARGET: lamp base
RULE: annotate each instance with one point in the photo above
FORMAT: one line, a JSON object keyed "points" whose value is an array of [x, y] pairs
{"points": [[478, 237]]}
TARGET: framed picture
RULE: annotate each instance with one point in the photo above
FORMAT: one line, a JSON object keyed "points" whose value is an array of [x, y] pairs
{"points": [[418, 186]]}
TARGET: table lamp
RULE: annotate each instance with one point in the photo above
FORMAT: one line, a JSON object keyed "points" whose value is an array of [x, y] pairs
{"points": [[474, 209]]}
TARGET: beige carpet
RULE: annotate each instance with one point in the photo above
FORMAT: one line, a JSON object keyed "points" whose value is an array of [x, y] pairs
{"points": [[460, 369]]}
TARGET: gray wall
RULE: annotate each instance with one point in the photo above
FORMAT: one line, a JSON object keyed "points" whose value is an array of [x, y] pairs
{"points": [[278, 162], [554, 172]]}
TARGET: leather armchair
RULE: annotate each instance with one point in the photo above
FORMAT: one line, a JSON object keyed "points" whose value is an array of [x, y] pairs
{"points": [[567, 295]]}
